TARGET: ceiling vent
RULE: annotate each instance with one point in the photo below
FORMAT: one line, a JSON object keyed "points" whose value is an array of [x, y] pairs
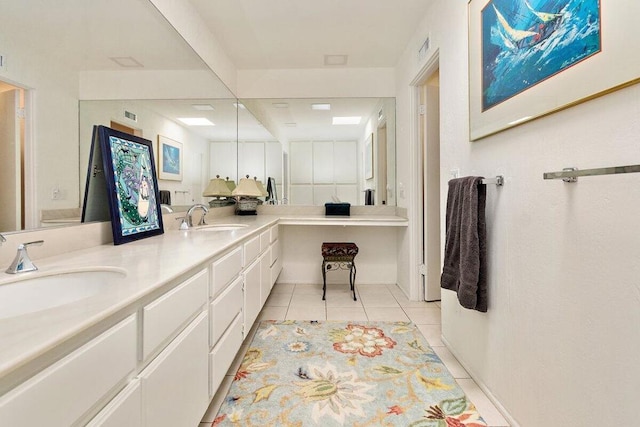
{"points": [[335, 60]]}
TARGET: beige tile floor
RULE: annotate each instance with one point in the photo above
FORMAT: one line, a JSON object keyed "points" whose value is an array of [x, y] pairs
{"points": [[375, 302]]}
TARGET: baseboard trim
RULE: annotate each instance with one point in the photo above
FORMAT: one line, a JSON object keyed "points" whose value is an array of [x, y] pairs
{"points": [[482, 385]]}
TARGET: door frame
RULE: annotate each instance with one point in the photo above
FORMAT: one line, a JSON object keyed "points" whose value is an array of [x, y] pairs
{"points": [[415, 212]]}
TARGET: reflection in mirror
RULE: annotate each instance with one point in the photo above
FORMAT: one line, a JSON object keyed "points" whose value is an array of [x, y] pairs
{"points": [[159, 121], [58, 53], [337, 149]]}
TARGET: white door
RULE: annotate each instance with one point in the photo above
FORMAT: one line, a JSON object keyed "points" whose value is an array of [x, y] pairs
{"points": [[10, 193], [430, 137]]}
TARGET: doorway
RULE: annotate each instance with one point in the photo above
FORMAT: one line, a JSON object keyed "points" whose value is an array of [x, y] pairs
{"points": [[12, 140], [126, 129], [429, 138]]}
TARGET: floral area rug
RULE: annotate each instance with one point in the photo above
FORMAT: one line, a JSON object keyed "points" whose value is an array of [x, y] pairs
{"points": [[301, 373]]}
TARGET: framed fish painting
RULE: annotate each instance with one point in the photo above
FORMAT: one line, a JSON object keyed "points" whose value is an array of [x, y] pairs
{"points": [[132, 186], [169, 159], [531, 58]]}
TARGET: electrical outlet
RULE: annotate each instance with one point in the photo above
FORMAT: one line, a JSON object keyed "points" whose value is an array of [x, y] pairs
{"points": [[3, 62], [56, 194]]}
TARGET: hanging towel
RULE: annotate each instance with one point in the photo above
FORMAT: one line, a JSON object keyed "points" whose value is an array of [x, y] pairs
{"points": [[165, 197], [465, 253]]}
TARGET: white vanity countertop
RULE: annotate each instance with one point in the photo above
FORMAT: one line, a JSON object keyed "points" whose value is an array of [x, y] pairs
{"points": [[353, 220], [150, 263]]}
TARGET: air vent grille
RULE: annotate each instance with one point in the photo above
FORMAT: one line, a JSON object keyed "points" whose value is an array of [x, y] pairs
{"points": [[131, 116]]}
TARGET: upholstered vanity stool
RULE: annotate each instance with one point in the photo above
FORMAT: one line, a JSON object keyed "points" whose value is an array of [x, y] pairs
{"points": [[339, 256]]}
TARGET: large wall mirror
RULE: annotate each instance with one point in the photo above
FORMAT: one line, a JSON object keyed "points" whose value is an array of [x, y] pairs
{"points": [[70, 64], [318, 150]]}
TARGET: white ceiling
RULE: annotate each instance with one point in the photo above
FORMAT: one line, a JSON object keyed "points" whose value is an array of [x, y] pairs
{"points": [[280, 34]]}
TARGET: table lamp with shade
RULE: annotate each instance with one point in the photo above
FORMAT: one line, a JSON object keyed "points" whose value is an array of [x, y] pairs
{"points": [[219, 190], [261, 187], [246, 194]]}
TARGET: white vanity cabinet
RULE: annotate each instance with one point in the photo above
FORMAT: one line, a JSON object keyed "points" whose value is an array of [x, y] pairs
{"points": [[62, 393], [175, 385], [168, 314], [124, 410], [252, 304]]}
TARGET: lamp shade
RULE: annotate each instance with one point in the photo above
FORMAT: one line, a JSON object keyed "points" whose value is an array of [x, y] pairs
{"points": [[261, 188], [247, 187], [217, 188], [231, 184]]}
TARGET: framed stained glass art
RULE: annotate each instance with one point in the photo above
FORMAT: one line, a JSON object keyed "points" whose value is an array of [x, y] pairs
{"points": [[131, 184]]}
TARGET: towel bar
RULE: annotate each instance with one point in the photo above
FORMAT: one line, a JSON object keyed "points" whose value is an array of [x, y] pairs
{"points": [[572, 174], [498, 180]]}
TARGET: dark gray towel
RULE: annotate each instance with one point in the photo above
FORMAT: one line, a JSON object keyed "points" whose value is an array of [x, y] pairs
{"points": [[165, 197], [465, 252]]}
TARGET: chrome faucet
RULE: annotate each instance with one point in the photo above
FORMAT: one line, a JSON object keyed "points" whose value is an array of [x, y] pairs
{"points": [[192, 209], [22, 263]]}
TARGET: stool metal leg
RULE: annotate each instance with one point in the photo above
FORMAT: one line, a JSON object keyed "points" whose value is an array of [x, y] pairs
{"points": [[324, 279], [352, 279]]}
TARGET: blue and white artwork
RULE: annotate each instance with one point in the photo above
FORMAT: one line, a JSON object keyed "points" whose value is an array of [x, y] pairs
{"points": [[527, 41], [170, 159]]}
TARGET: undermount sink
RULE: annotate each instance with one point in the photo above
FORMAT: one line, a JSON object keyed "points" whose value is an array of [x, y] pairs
{"points": [[32, 292], [222, 227]]}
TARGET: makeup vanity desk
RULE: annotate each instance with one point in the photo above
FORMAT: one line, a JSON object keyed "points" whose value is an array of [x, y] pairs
{"points": [[377, 236]]}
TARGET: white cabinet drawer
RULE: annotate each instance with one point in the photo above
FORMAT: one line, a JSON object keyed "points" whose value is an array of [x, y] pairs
{"points": [[265, 279], [165, 316], [224, 353], [224, 270], [276, 268], [264, 241], [62, 393], [251, 250], [224, 309], [175, 385], [273, 233], [124, 410], [275, 251], [252, 305]]}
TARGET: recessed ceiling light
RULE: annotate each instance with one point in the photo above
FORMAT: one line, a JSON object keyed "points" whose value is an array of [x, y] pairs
{"points": [[291, 125], [126, 62], [325, 107], [203, 107], [239, 105], [335, 59], [280, 105], [196, 121], [346, 120]]}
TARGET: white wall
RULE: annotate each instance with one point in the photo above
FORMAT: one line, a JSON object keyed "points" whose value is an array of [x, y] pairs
{"points": [[51, 128], [560, 341]]}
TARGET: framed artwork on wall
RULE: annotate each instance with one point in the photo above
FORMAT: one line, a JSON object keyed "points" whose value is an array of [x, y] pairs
{"points": [[132, 187], [531, 58], [368, 158], [169, 159]]}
